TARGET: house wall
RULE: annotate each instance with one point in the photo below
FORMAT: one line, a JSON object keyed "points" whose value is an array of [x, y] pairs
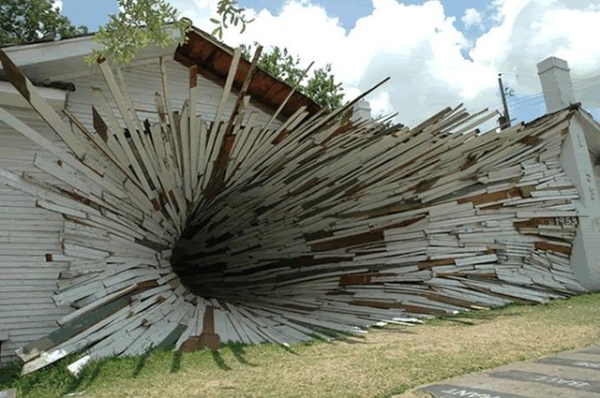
{"points": [[597, 172], [558, 94], [143, 80], [575, 160], [28, 233]]}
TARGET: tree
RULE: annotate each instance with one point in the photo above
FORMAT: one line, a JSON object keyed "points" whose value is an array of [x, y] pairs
{"points": [[323, 89], [140, 23], [26, 21], [144, 22], [231, 13], [321, 86]]}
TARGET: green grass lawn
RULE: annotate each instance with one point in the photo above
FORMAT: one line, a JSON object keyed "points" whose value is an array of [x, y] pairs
{"points": [[387, 361]]}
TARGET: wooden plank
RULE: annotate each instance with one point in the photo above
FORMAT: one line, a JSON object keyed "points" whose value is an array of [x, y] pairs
{"points": [[31, 94], [319, 224]]}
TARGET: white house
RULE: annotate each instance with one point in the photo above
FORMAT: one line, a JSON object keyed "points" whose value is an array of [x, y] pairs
{"points": [[65, 81], [194, 228], [580, 159]]}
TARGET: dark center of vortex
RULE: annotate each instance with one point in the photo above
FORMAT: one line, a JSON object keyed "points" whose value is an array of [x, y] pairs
{"points": [[243, 258], [206, 257], [199, 266]]}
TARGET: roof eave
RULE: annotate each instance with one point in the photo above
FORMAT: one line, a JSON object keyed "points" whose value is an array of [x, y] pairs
{"points": [[214, 57]]}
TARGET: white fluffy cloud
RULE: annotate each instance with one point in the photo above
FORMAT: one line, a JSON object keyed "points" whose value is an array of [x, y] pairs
{"points": [[528, 31], [472, 18], [421, 49]]}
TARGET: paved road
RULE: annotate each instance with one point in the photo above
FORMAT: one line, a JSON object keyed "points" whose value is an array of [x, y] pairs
{"points": [[571, 374]]}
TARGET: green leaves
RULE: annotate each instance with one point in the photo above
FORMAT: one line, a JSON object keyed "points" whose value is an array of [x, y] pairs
{"points": [[139, 24], [231, 14], [26, 21], [321, 87]]}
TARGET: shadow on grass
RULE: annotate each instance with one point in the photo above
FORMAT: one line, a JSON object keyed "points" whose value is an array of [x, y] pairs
{"points": [[76, 382], [239, 352], [9, 375], [53, 380], [176, 362], [289, 350], [141, 363], [88, 374], [352, 339], [219, 360]]}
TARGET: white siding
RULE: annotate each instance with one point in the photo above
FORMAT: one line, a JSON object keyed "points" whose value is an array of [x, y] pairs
{"points": [[576, 162], [597, 175], [27, 234], [143, 81]]}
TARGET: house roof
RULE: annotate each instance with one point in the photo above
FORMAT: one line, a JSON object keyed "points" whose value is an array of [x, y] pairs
{"points": [[212, 57], [591, 128]]}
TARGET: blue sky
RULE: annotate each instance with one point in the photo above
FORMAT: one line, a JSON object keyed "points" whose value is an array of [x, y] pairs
{"points": [[90, 13], [438, 52], [348, 11], [94, 13]]}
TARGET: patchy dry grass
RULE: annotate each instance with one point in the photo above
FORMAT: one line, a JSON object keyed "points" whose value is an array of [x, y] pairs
{"points": [[386, 362]]}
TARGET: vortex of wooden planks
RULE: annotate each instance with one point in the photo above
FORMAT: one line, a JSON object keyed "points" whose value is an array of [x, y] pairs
{"points": [[193, 233]]}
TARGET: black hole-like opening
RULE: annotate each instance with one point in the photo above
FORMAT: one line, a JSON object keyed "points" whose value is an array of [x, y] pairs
{"points": [[198, 268], [208, 256]]}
